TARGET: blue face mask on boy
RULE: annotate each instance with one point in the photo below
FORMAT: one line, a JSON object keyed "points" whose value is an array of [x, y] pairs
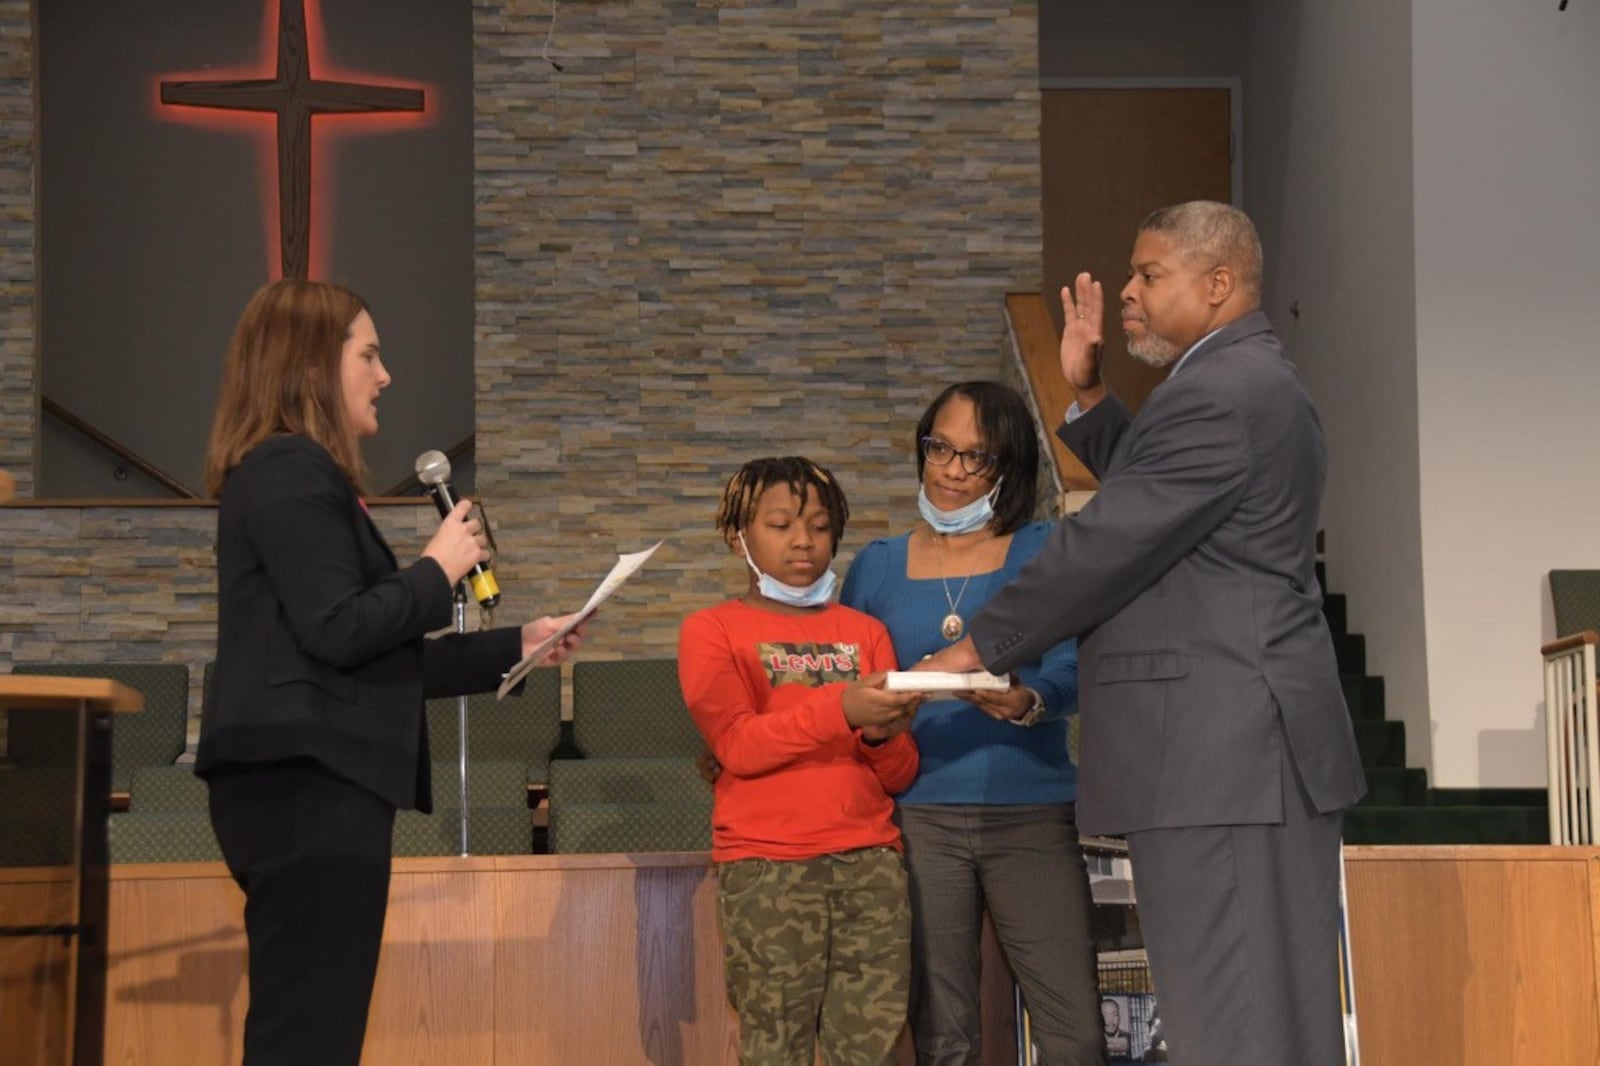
{"points": [[815, 594], [974, 516]]}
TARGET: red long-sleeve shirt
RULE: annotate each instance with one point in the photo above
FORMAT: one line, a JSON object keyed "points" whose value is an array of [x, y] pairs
{"points": [[764, 687]]}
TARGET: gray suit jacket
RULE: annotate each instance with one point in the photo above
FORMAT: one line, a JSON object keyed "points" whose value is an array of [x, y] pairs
{"points": [[1189, 583]]}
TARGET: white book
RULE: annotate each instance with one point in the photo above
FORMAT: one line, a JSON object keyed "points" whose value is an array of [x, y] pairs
{"points": [[940, 681]]}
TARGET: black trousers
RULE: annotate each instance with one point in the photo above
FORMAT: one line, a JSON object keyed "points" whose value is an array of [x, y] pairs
{"points": [[311, 852]]}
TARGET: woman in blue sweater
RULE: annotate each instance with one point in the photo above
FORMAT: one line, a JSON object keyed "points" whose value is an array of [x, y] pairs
{"points": [[988, 823]]}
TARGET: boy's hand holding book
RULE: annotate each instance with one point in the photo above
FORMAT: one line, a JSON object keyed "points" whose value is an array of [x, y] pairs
{"points": [[878, 713]]}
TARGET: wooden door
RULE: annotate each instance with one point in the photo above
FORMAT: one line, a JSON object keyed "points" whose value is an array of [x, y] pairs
{"points": [[1108, 158]]}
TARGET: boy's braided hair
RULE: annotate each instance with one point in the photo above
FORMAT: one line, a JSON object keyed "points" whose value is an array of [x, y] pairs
{"points": [[758, 475]]}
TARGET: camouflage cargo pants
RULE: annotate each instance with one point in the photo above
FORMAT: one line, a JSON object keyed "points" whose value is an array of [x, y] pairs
{"points": [[818, 955]]}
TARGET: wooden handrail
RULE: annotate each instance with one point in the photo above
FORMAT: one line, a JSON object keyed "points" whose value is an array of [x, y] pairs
{"points": [[409, 486], [401, 492], [118, 449], [1570, 643], [1038, 345]]}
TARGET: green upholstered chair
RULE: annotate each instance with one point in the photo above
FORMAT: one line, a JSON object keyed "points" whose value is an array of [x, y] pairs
{"points": [[168, 818], [34, 841], [632, 708], [620, 804], [629, 827], [490, 783], [163, 836], [36, 814], [672, 779], [1572, 720], [1575, 600], [522, 728], [152, 737], [168, 789], [498, 819], [501, 830]]}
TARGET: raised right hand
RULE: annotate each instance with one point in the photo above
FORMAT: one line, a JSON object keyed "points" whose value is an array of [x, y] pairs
{"points": [[459, 543], [1083, 306], [867, 703]]}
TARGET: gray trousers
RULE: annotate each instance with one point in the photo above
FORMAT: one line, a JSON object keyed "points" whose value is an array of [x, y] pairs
{"points": [[1242, 927], [1024, 865]]}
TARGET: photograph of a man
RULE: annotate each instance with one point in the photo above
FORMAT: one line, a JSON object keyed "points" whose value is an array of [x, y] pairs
{"points": [[1116, 1032]]}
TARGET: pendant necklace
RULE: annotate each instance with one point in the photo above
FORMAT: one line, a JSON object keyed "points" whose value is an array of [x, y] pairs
{"points": [[952, 627]]}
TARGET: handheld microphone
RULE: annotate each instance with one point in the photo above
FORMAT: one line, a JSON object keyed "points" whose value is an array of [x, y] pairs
{"points": [[433, 470]]}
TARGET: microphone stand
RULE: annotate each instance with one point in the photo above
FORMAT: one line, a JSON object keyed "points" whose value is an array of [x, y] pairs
{"points": [[461, 715]]}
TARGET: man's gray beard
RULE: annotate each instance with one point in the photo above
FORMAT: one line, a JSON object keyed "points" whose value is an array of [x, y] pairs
{"points": [[1153, 351]]}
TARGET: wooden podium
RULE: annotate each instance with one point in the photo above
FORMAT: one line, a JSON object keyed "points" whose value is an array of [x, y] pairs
{"points": [[53, 935]]}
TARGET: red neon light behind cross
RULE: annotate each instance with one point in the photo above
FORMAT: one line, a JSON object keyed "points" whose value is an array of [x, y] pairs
{"points": [[295, 96]]}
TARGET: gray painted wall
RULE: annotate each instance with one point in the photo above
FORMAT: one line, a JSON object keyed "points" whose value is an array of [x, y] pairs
{"points": [[1507, 158], [156, 228], [1328, 174]]}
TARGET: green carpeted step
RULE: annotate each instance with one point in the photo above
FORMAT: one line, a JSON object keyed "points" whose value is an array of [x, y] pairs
{"points": [[1351, 651], [1399, 807], [1336, 610], [1381, 743], [1488, 797], [1364, 697], [1396, 786], [1446, 825]]}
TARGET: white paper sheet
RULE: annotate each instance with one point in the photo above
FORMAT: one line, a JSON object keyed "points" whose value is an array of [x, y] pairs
{"points": [[626, 567]]}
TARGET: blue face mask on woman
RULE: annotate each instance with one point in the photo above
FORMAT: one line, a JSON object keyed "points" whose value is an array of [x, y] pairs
{"points": [[974, 516], [815, 594]]}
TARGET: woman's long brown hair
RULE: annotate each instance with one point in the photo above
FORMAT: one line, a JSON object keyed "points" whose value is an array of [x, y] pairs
{"points": [[282, 375]]}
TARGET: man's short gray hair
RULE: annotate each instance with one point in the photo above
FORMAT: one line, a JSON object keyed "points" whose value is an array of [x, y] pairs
{"points": [[1220, 234]]}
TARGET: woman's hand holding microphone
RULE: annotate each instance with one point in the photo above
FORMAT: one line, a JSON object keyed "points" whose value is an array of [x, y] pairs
{"points": [[459, 544]]}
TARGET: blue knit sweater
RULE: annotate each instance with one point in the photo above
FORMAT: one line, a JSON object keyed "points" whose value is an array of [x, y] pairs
{"points": [[968, 757]]}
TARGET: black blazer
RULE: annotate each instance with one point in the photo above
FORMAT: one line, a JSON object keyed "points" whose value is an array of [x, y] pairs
{"points": [[320, 633]]}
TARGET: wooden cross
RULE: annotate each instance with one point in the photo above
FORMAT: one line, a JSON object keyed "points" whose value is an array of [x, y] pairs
{"points": [[295, 96]]}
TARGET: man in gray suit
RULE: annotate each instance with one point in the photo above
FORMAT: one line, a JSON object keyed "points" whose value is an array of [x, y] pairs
{"points": [[1214, 732]]}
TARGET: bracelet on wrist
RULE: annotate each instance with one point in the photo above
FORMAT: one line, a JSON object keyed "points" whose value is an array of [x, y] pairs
{"points": [[1031, 716]]}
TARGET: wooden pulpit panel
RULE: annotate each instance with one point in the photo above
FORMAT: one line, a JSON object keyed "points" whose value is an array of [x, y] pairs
{"points": [[53, 921], [176, 984], [612, 965], [35, 971], [1475, 956], [435, 996]]}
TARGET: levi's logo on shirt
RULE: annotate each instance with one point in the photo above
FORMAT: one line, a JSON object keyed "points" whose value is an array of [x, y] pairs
{"points": [[813, 665]]}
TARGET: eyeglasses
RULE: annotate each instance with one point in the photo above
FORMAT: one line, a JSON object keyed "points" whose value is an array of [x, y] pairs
{"points": [[973, 462]]}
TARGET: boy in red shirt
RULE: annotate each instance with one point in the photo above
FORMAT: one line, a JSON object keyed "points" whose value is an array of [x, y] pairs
{"points": [[787, 689]]}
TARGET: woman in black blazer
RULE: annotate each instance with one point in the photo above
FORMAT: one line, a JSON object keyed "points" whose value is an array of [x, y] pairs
{"points": [[315, 733]]}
